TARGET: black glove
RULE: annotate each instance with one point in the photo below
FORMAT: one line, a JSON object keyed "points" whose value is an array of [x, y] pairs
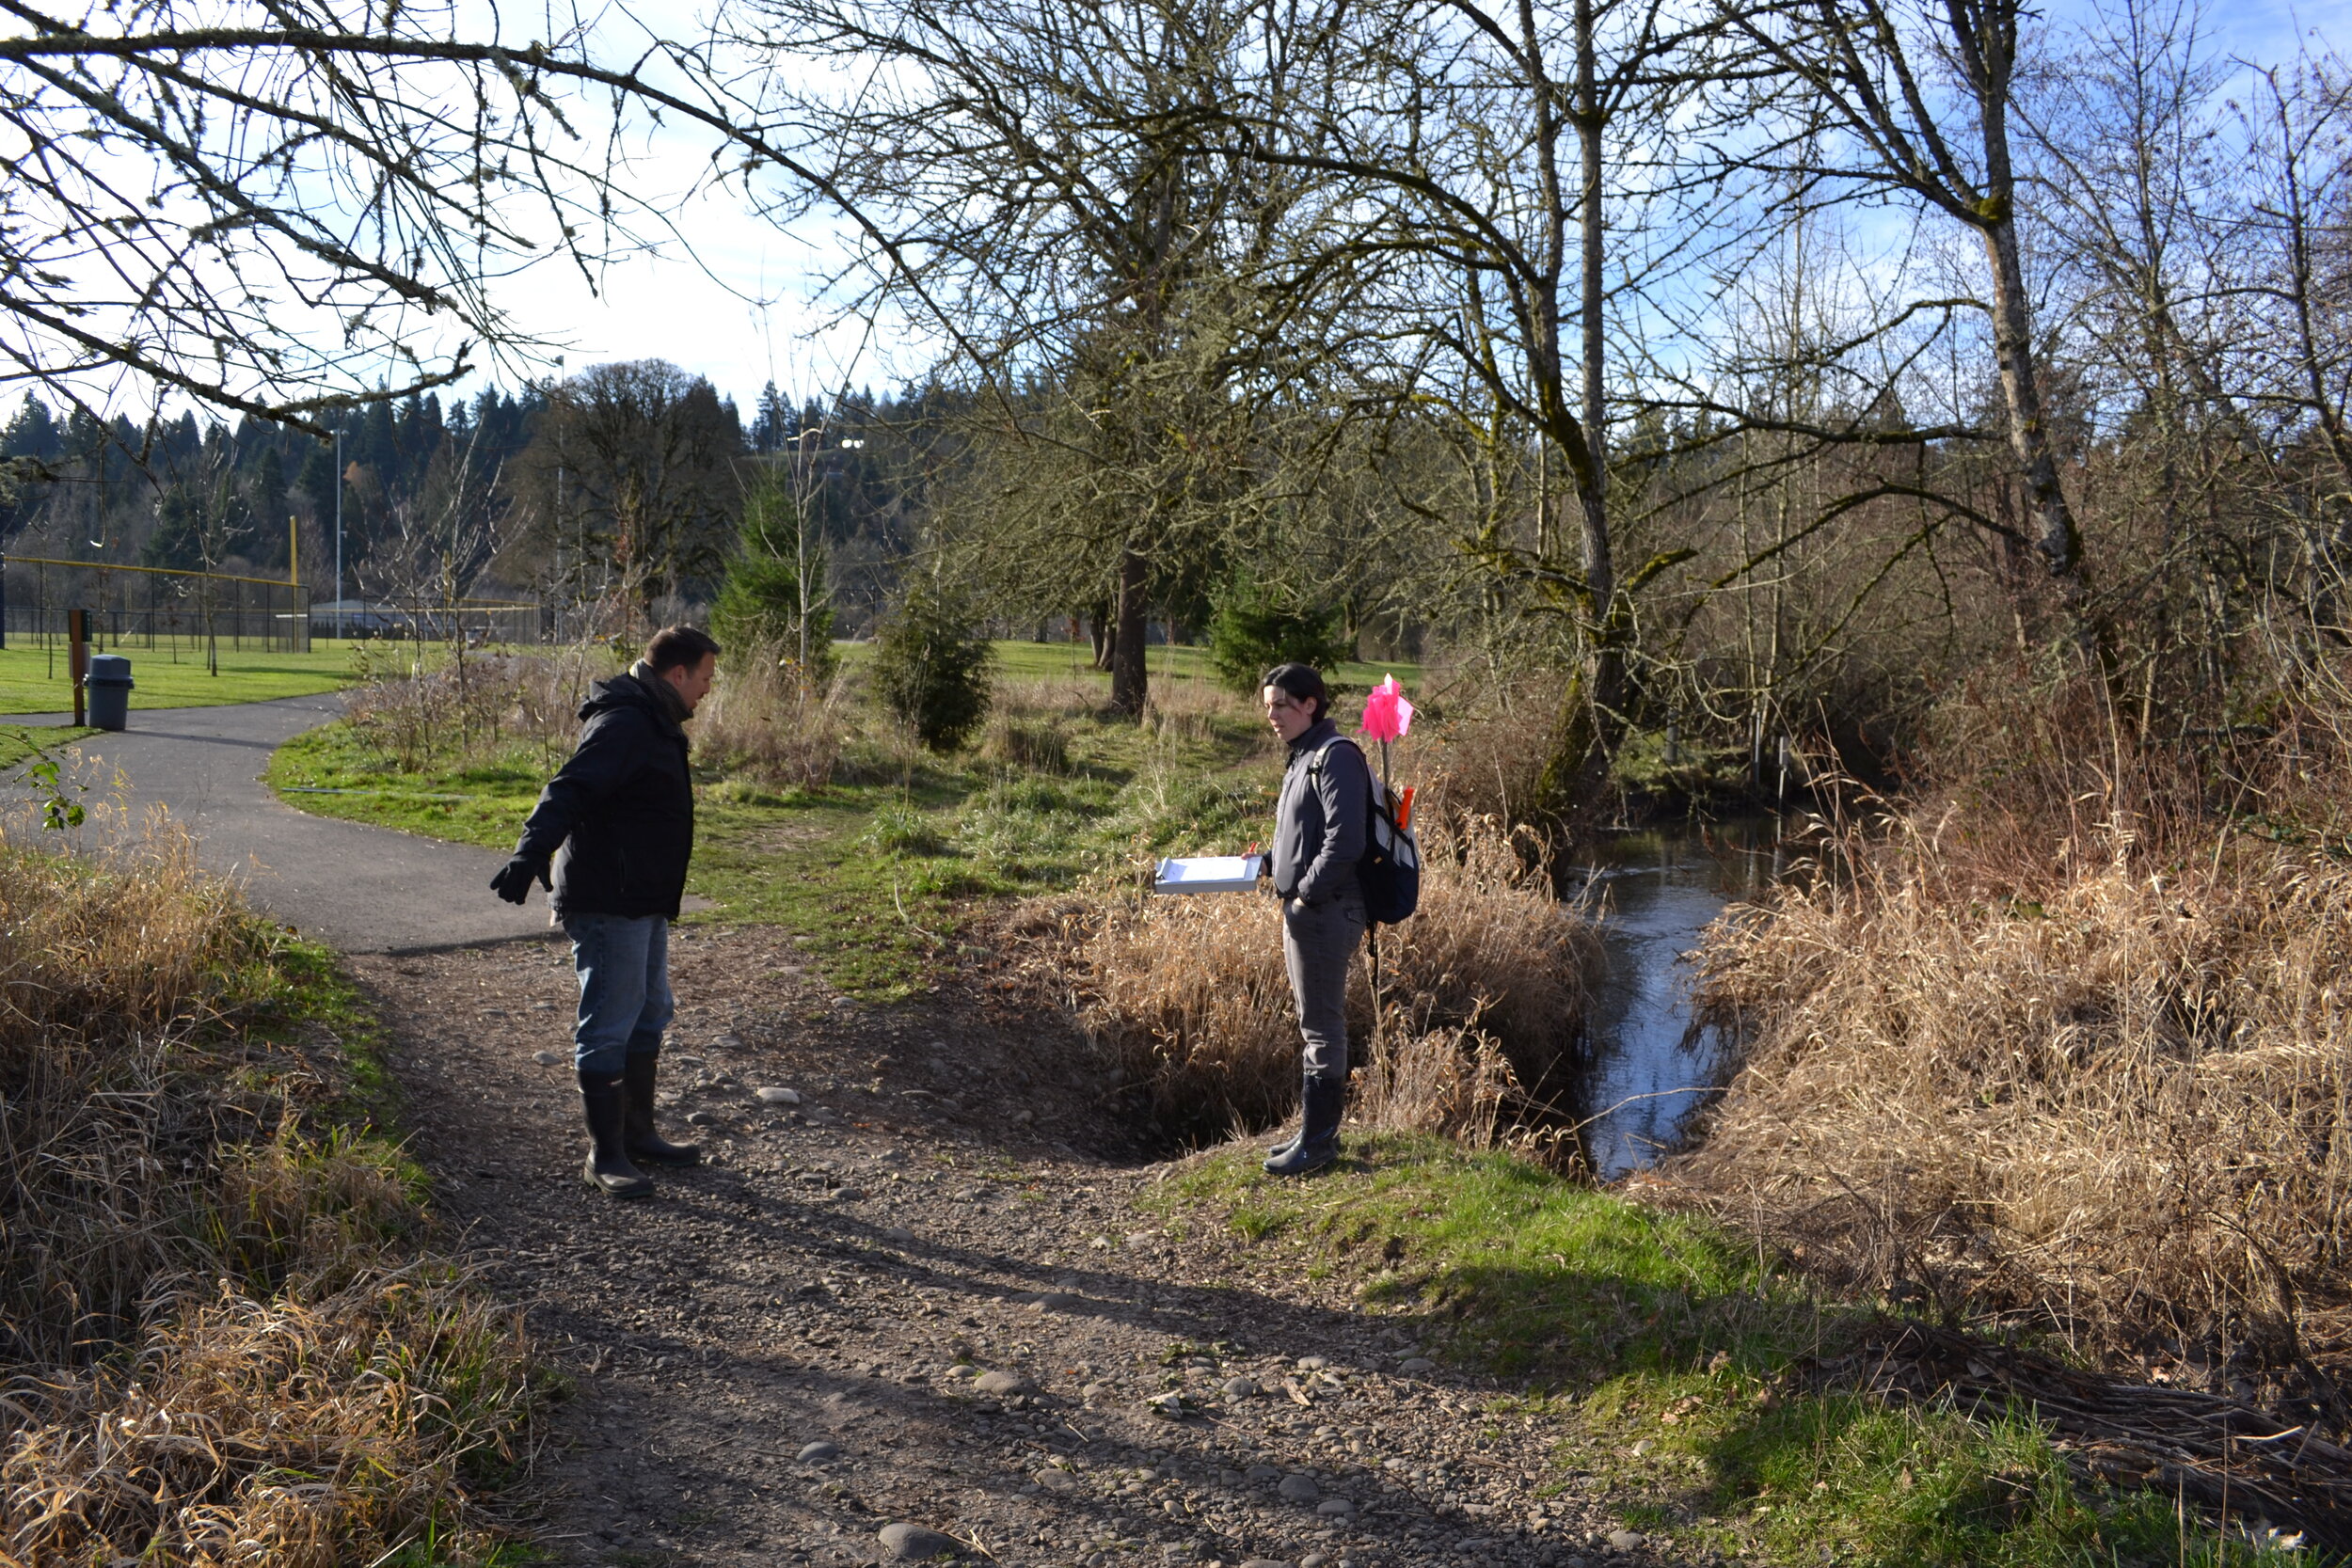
{"points": [[513, 882]]}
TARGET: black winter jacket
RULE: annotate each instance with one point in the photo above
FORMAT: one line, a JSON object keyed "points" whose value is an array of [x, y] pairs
{"points": [[622, 809], [1322, 816]]}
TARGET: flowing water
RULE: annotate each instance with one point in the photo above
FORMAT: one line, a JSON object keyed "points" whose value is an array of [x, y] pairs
{"points": [[1648, 1063]]}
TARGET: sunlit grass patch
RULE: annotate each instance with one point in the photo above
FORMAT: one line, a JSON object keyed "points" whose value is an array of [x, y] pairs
{"points": [[1678, 1369]]}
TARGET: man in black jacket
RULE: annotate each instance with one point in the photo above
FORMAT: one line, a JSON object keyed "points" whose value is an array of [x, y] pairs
{"points": [[617, 823]]}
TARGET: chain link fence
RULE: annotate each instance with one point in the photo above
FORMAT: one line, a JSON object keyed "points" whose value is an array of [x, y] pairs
{"points": [[477, 622], [149, 606]]}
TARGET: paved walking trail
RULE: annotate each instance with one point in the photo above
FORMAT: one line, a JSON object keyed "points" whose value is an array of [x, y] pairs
{"points": [[361, 888]]}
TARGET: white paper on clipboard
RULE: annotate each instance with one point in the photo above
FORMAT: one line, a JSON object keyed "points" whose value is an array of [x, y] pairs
{"points": [[1208, 874]]}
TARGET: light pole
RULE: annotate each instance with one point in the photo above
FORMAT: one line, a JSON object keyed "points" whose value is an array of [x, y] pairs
{"points": [[339, 531]]}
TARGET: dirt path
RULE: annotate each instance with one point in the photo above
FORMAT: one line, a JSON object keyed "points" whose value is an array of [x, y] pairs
{"points": [[936, 1294]]}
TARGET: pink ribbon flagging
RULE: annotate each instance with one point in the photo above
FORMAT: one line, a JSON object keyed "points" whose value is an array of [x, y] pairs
{"points": [[1387, 714]]}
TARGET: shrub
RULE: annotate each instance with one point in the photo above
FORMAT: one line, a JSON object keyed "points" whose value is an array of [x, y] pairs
{"points": [[1486, 748], [759, 605], [416, 713], [931, 665], [1256, 628]]}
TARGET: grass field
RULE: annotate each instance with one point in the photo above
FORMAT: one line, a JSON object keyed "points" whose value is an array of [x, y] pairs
{"points": [[19, 741], [33, 679], [876, 870]]}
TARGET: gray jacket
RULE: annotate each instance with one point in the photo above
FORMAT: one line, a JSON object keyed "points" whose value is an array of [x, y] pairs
{"points": [[1321, 819]]}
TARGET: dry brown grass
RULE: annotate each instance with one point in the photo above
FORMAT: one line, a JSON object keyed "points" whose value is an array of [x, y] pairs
{"points": [[1484, 745], [1188, 710], [222, 1344], [1029, 723], [2062, 1043], [762, 723], [1454, 1083], [419, 706], [290, 1431], [1187, 998]]}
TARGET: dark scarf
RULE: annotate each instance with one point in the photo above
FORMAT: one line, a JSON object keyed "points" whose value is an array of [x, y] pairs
{"points": [[664, 692]]}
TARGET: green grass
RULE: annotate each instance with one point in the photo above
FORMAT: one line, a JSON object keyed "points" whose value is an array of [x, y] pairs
{"points": [[1673, 1367], [877, 876], [33, 679], [19, 741]]}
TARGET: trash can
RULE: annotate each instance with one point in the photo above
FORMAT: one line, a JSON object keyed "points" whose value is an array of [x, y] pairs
{"points": [[108, 685]]}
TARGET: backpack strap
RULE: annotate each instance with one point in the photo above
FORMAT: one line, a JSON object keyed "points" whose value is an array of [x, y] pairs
{"points": [[1380, 806], [1314, 760]]}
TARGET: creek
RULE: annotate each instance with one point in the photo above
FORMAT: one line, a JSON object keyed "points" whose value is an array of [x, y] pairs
{"points": [[1648, 1063]]}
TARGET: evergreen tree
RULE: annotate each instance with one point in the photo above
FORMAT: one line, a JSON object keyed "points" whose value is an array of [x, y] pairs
{"points": [[1256, 628], [774, 424], [931, 664], [33, 433], [178, 542], [267, 487], [779, 561]]}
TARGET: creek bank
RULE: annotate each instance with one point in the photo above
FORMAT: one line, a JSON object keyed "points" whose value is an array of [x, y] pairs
{"points": [[943, 1290]]}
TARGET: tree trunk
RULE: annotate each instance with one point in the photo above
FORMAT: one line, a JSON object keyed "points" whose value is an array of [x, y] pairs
{"points": [[1606, 663], [1100, 633], [1129, 669], [1591, 716], [2056, 537]]}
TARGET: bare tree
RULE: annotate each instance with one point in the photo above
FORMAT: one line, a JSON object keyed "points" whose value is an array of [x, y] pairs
{"points": [[1037, 176], [630, 476], [284, 207], [1505, 152], [1916, 101]]}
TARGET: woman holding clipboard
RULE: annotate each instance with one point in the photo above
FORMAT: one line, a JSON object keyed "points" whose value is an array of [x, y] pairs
{"points": [[1320, 823]]}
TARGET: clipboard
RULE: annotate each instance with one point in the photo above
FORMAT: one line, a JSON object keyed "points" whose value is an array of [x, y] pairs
{"points": [[1208, 874]]}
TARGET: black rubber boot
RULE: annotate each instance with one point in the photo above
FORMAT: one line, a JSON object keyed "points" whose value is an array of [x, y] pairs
{"points": [[642, 1142], [1318, 1142], [606, 1168]]}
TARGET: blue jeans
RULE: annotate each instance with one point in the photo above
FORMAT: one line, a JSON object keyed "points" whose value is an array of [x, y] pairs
{"points": [[625, 1005]]}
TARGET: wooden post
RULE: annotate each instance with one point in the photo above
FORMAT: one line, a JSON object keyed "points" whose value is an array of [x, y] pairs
{"points": [[77, 656]]}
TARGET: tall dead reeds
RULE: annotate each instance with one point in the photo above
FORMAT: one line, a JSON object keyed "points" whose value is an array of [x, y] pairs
{"points": [[218, 1341], [417, 710], [2065, 1042], [762, 721], [1188, 1002]]}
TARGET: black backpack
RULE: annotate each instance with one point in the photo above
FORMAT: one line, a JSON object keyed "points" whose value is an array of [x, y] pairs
{"points": [[1389, 872]]}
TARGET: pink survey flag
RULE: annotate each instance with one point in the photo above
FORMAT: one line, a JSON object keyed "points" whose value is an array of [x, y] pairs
{"points": [[1387, 714]]}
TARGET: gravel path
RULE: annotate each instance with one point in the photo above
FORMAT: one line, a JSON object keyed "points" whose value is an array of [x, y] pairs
{"points": [[929, 1306]]}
